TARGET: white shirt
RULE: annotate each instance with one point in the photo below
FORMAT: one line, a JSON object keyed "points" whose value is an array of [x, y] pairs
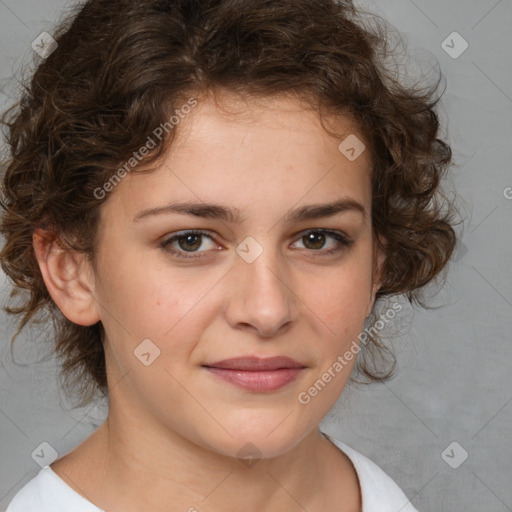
{"points": [[47, 492]]}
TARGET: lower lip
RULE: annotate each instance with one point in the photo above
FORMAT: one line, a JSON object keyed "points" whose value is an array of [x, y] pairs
{"points": [[259, 380]]}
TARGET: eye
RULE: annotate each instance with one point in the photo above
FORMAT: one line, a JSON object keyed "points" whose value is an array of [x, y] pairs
{"points": [[188, 242], [317, 238]]}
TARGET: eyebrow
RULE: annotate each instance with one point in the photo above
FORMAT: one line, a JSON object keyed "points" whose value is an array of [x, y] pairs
{"points": [[234, 215]]}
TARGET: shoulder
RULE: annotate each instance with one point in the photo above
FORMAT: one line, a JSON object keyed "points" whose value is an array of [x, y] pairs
{"points": [[46, 492], [379, 491]]}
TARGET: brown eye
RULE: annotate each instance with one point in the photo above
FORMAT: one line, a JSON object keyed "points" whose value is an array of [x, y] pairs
{"points": [[187, 242], [315, 240], [191, 242]]}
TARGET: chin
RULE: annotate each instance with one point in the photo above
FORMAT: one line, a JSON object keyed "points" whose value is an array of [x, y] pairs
{"points": [[258, 440]]}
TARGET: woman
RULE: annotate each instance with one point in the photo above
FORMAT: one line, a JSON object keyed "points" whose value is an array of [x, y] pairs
{"points": [[210, 198]]}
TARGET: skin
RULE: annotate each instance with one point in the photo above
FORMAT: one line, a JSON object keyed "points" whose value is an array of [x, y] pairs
{"points": [[174, 431]]}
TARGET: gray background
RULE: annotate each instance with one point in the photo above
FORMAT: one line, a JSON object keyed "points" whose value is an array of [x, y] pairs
{"points": [[454, 379]]}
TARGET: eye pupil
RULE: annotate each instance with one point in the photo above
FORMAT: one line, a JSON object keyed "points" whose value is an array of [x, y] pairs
{"points": [[187, 238], [311, 238]]}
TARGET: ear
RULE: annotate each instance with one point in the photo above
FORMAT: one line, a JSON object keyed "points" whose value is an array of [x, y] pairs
{"points": [[68, 277], [378, 260]]}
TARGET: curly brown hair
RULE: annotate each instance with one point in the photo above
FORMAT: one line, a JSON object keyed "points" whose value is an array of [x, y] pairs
{"points": [[122, 66]]}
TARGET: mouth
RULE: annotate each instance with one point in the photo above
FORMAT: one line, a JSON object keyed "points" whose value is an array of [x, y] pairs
{"points": [[256, 374]]}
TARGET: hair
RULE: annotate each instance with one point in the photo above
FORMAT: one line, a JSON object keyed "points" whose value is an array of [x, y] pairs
{"points": [[122, 67]]}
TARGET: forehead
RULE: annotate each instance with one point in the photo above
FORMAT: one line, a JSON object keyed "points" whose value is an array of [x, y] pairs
{"points": [[226, 112], [253, 151]]}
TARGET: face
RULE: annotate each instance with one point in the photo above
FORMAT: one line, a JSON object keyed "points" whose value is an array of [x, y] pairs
{"points": [[257, 283]]}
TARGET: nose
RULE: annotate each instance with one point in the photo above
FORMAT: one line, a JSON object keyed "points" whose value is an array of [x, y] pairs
{"points": [[262, 298]]}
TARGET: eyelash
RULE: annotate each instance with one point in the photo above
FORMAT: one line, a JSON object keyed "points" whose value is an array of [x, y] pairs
{"points": [[342, 239]]}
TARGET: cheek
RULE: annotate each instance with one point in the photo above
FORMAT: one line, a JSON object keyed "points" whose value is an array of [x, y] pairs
{"points": [[152, 302], [340, 299], [145, 298]]}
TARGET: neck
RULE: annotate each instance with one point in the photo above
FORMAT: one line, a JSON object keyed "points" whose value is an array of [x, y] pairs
{"points": [[134, 462], [165, 471]]}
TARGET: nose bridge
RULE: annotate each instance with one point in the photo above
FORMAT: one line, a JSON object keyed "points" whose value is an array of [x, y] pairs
{"points": [[266, 270], [263, 295]]}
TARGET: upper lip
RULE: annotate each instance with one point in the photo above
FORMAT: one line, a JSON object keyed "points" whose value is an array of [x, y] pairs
{"points": [[253, 363]]}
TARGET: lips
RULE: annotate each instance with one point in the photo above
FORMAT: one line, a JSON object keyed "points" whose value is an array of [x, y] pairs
{"points": [[255, 364], [256, 374]]}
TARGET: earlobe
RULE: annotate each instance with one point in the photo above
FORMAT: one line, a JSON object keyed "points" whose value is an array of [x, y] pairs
{"points": [[67, 276]]}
